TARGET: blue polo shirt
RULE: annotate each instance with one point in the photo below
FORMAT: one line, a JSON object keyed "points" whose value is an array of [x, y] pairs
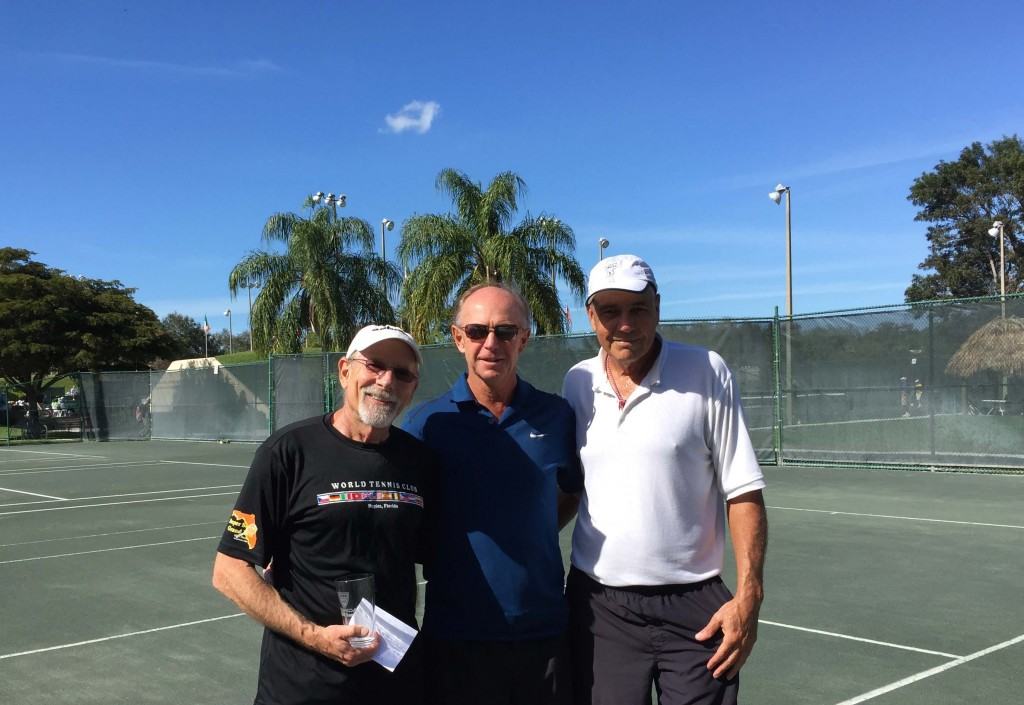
{"points": [[496, 571]]}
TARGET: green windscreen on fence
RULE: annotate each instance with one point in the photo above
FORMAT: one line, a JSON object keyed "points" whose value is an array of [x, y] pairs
{"points": [[114, 405], [927, 385], [882, 387], [298, 384], [228, 402]]}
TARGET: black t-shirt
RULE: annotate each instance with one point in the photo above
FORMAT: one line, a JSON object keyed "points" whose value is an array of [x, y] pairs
{"points": [[316, 506]]}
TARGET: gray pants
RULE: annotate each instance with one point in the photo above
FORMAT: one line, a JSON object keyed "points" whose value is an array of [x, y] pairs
{"points": [[623, 640]]}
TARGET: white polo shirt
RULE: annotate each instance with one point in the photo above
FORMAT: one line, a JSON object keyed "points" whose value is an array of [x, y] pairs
{"points": [[657, 472]]}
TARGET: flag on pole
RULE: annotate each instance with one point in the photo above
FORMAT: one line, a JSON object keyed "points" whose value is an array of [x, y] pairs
{"points": [[206, 325]]}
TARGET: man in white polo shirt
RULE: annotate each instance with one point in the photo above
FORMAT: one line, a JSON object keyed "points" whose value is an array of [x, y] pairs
{"points": [[667, 459]]}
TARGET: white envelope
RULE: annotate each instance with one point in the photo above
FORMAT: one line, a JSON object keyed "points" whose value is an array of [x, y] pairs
{"points": [[395, 635]]}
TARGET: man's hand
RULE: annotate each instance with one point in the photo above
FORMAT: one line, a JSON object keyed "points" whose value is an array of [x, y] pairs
{"points": [[239, 581], [332, 642], [737, 621]]}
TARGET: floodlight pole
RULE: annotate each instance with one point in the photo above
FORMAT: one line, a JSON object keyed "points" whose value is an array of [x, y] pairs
{"points": [[601, 244], [385, 225], [776, 196], [230, 332], [249, 290], [997, 229]]}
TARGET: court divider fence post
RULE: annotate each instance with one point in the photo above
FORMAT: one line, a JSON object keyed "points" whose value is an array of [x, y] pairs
{"points": [[930, 396], [270, 394], [325, 374], [777, 390], [7, 415], [81, 406]]}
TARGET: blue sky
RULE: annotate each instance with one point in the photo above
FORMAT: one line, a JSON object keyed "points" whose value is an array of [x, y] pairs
{"points": [[148, 142]]}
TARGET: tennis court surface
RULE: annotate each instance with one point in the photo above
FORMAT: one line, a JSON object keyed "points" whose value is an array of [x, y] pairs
{"points": [[883, 587]]}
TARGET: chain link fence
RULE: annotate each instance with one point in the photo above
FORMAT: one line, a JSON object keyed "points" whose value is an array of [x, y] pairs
{"points": [[930, 385]]}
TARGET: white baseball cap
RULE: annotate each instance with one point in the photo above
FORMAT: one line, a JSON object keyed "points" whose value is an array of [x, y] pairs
{"points": [[369, 336], [622, 272]]}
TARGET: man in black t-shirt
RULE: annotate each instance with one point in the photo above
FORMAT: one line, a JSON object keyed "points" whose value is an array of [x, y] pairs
{"points": [[326, 497]]}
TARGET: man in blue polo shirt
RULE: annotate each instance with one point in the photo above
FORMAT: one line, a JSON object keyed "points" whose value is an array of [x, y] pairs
{"points": [[495, 614]]}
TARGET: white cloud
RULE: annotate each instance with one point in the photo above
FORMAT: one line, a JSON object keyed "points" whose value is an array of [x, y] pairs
{"points": [[418, 115]]}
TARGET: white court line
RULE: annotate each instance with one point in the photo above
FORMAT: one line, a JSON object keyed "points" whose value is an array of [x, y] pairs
{"points": [[38, 471], [34, 494], [110, 533], [892, 516], [43, 460], [216, 465], [113, 496], [50, 452], [931, 672], [118, 636], [113, 504], [857, 638], [106, 550]]}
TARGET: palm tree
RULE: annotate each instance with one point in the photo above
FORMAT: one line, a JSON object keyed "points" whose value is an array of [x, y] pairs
{"points": [[328, 281], [449, 253]]}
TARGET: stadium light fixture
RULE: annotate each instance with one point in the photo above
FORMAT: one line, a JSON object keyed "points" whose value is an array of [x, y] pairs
{"points": [[601, 244], [330, 199], [385, 225]]}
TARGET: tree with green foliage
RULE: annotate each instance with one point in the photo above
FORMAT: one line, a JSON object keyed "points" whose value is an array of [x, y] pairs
{"points": [[189, 337], [227, 341], [446, 254], [328, 281], [53, 324], [961, 200]]}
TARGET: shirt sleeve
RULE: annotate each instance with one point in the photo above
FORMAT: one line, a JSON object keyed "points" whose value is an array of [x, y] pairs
{"points": [[430, 489], [731, 450], [570, 474], [254, 523], [414, 421]]}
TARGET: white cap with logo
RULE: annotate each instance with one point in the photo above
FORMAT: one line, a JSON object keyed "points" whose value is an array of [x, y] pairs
{"points": [[369, 336], [621, 272]]}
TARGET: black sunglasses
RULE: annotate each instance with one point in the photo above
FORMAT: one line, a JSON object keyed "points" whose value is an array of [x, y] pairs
{"points": [[375, 368], [478, 331]]}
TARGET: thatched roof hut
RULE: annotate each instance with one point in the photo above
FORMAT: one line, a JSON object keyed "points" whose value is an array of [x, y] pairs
{"points": [[998, 346]]}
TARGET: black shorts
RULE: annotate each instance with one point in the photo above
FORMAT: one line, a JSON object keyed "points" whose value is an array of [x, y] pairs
{"points": [[624, 640], [527, 672]]}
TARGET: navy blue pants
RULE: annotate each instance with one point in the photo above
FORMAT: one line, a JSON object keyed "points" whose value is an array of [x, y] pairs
{"points": [[527, 672]]}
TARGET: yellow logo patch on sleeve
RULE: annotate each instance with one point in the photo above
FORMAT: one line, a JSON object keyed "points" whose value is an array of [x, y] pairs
{"points": [[243, 527]]}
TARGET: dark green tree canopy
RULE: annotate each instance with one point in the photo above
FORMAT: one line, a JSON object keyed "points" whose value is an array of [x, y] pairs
{"points": [[961, 200], [188, 336], [328, 281], [52, 323], [447, 254]]}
